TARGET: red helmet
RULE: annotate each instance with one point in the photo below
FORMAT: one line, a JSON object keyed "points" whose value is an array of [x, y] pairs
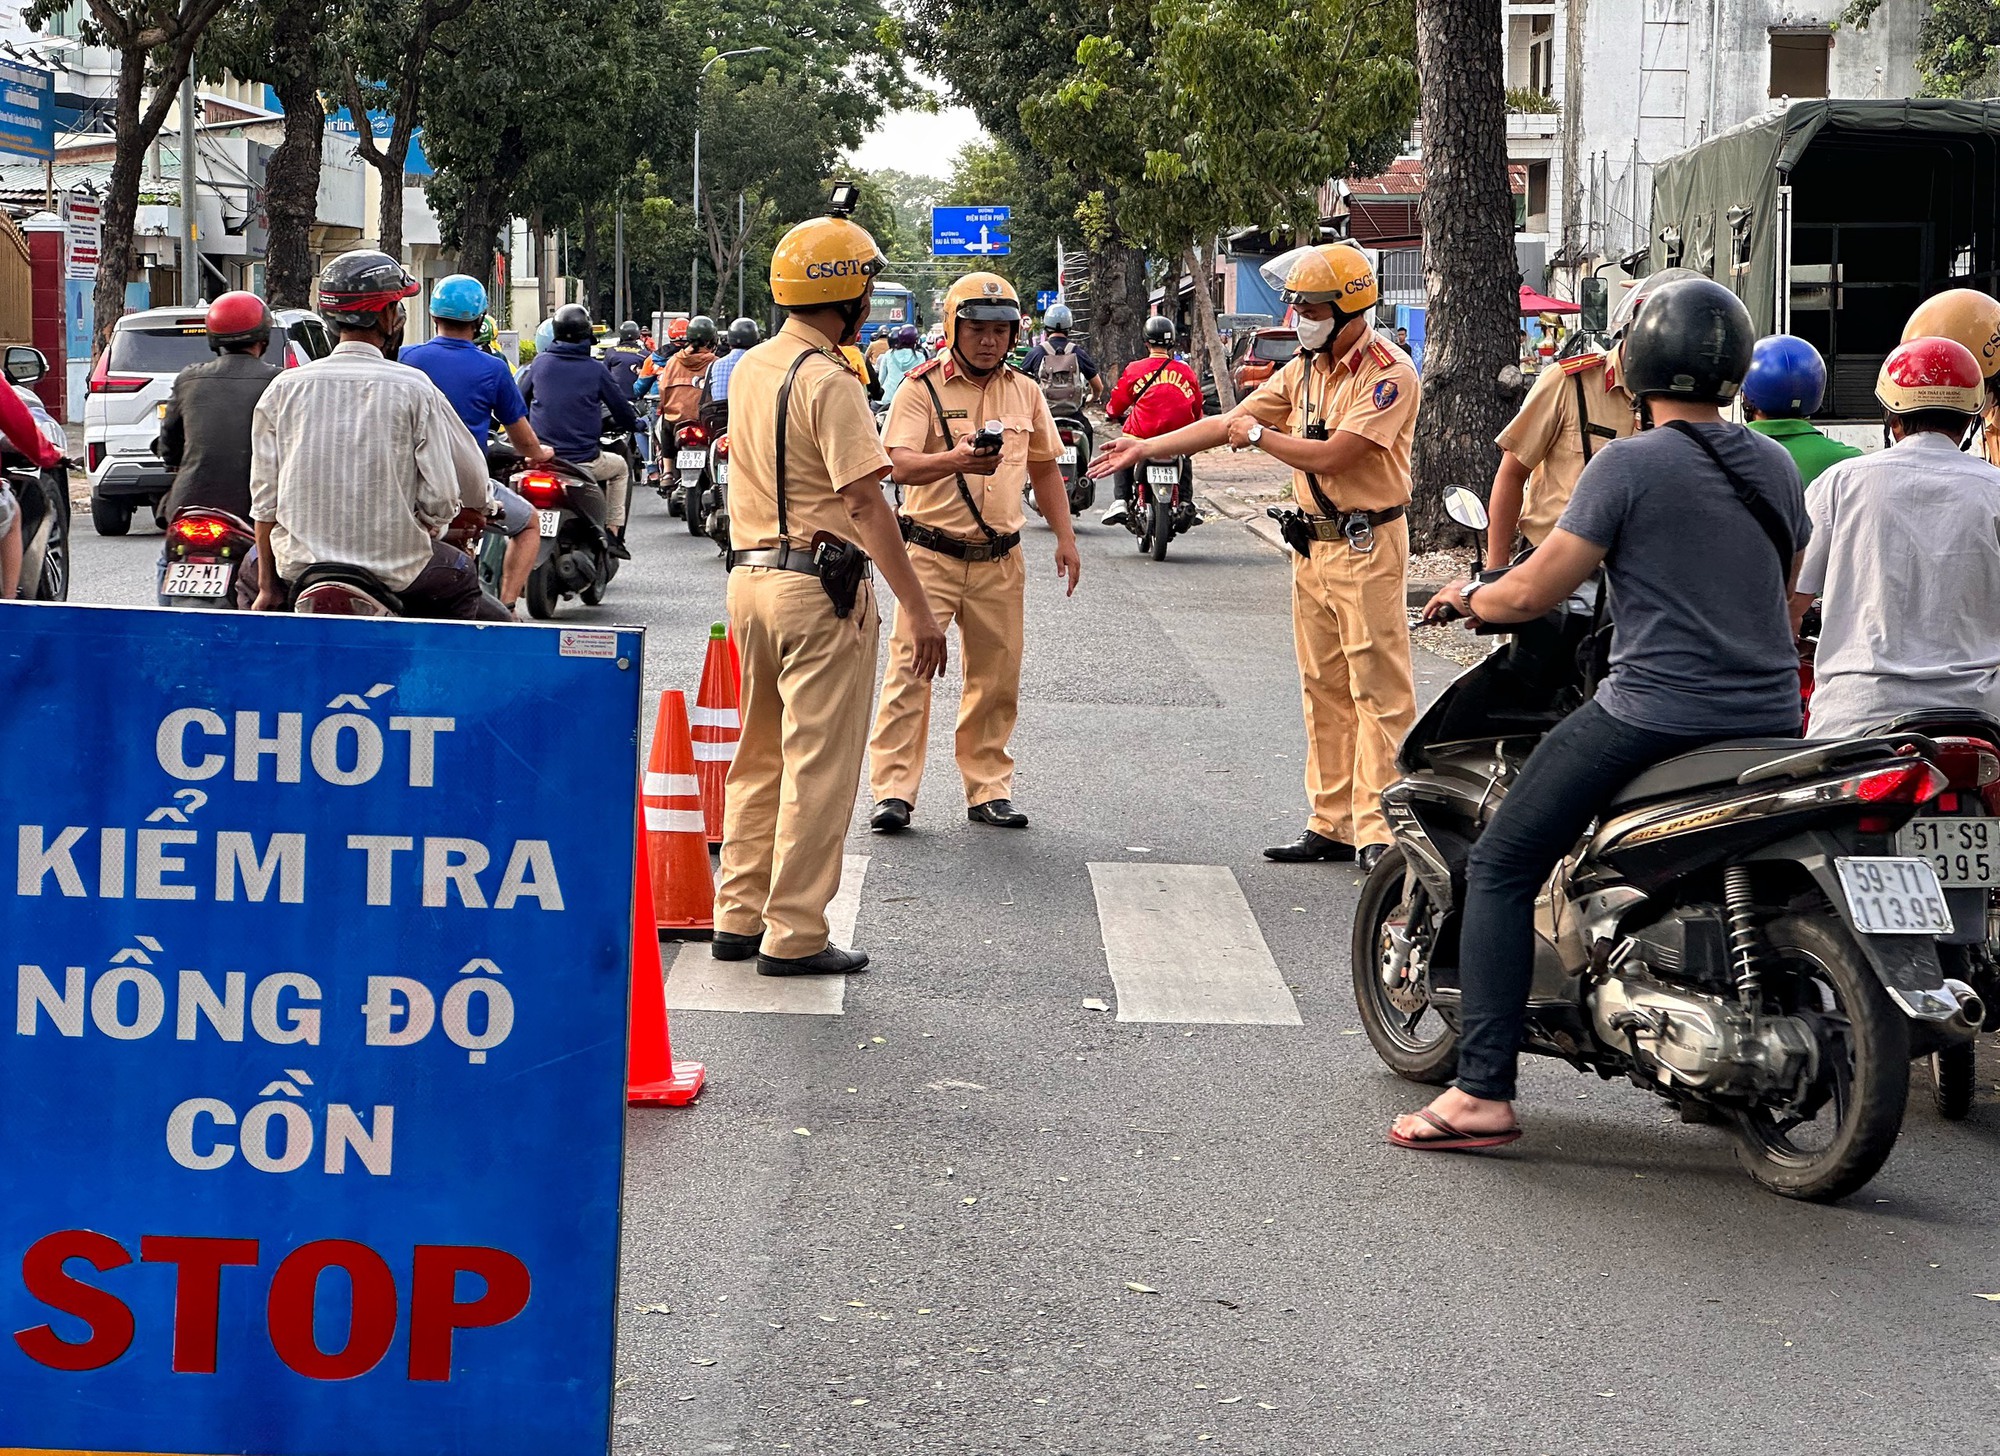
{"points": [[237, 319], [1931, 374], [677, 330]]}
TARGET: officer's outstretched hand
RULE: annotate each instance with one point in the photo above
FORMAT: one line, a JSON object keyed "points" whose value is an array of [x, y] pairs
{"points": [[1123, 453], [1069, 565], [927, 645]]}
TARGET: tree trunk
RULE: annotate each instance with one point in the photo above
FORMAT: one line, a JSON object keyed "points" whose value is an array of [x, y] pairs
{"points": [[1117, 306], [1208, 337], [591, 292], [390, 232], [291, 198], [1471, 377], [121, 202]]}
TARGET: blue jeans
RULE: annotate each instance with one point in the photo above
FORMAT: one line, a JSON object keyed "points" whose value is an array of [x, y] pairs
{"points": [[1567, 781]]}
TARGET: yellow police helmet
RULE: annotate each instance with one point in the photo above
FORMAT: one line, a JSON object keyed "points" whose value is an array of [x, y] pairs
{"points": [[827, 260], [1964, 314], [1335, 273], [980, 298]]}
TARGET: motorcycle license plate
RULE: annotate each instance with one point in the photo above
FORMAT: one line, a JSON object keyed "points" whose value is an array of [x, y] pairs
{"points": [[1163, 475], [1965, 852], [551, 521], [1894, 896], [1068, 456], [691, 460], [722, 472], [197, 579]]}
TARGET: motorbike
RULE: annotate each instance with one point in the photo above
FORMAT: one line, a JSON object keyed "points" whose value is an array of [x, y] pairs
{"points": [[692, 475], [575, 558], [329, 589], [715, 499], [1162, 504], [205, 552], [1743, 932], [43, 497], [1078, 445]]}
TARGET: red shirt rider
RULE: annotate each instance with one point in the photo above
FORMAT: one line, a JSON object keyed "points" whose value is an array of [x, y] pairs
{"points": [[1155, 395]]}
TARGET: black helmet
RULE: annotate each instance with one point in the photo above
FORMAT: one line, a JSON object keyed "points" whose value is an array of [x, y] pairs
{"points": [[628, 332], [571, 324], [357, 288], [702, 332], [744, 334], [1160, 331], [1692, 341]]}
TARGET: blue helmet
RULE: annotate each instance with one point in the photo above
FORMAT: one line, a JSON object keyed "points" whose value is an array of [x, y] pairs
{"points": [[545, 335], [460, 298], [1787, 378]]}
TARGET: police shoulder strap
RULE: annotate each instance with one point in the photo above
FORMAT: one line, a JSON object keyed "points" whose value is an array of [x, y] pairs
{"points": [[1326, 507], [964, 490], [784, 410], [1761, 509], [1587, 428]]}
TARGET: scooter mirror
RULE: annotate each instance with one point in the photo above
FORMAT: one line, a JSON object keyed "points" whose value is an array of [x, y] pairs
{"points": [[1465, 508]]}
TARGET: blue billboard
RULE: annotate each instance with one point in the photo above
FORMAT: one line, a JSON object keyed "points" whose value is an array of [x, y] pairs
{"points": [[27, 109], [314, 1065], [958, 232]]}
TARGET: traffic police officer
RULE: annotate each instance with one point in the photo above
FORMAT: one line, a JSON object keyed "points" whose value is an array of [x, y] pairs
{"points": [[805, 503], [1971, 318], [1573, 408], [1341, 413], [962, 519]]}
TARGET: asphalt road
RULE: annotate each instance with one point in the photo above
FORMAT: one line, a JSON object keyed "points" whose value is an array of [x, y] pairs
{"points": [[969, 1214]]}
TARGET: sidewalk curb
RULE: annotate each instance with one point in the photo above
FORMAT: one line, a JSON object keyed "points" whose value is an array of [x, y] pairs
{"points": [[1252, 518]]}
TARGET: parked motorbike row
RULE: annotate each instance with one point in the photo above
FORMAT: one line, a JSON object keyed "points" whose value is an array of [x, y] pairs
{"points": [[1764, 932]]}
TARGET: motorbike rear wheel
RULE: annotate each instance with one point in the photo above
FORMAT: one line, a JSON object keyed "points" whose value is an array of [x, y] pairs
{"points": [[695, 508], [541, 594], [1817, 972], [1954, 1073], [1162, 530], [1406, 1031]]}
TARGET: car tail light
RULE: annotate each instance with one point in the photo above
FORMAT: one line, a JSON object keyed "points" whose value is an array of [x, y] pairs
{"points": [[691, 435], [722, 447], [94, 455], [197, 530], [103, 381], [543, 488]]}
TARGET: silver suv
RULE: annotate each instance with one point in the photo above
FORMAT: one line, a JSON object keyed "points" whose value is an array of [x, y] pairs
{"points": [[128, 397]]}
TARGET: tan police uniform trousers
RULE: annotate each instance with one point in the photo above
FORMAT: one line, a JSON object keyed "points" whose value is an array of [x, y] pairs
{"points": [[985, 599], [1350, 628], [808, 677]]}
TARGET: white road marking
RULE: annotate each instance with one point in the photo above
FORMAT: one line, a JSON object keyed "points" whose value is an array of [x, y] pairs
{"points": [[697, 981], [1183, 946]]}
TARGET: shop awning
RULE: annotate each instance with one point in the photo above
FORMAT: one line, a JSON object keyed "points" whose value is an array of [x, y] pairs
{"points": [[1534, 303]]}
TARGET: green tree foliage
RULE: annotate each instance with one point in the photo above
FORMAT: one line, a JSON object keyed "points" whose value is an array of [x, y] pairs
{"points": [[1958, 44], [991, 173]]}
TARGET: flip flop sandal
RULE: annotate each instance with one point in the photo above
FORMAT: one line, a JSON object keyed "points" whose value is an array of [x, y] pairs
{"points": [[1452, 1140]]}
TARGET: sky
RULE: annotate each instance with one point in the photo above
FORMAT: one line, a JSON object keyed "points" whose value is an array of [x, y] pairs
{"points": [[919, 142]]}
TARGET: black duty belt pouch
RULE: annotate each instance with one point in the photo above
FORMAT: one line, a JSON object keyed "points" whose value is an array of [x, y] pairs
{"points": [[841, 564], [1293, 527]]}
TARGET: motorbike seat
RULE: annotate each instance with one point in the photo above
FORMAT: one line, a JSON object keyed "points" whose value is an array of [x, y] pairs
{"points": [[359, 578], [1747, 761]]}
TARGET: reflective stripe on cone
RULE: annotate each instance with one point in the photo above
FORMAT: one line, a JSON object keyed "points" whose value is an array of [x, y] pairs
{"points": [[717, 724], [675, 826]]}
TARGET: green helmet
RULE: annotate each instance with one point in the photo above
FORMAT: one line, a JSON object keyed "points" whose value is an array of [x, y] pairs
{"points": [[488, 332]]}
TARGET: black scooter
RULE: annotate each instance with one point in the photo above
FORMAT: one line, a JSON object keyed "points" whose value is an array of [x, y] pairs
{"points": [[575, 558], [1740, 933]]}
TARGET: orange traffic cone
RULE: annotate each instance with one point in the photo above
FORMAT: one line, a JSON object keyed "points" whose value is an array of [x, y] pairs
{"points": [[652, 1077], [683, 885], [735, 664], [718, 724]]}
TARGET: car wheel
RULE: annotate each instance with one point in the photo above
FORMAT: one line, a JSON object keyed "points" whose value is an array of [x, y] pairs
{"points": [[110, 517]]}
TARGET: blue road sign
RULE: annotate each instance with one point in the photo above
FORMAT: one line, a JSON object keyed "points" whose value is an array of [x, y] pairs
{"points": [[979, 232], [315, 1093], [1046, 299], [27, 109]]}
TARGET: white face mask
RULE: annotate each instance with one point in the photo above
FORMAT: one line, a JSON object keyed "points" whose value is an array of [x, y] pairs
{"points": [[1315, 334]]}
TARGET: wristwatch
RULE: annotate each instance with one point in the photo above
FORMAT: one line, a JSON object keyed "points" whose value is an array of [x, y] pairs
{"points": [[1465, 595], [1255, 435]]}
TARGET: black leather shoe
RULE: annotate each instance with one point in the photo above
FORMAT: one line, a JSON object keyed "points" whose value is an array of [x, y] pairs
{"points": [[833, 961], [891, 816], [1310, 846], [1368, 856], [618, 545], [727, 946], [1000, 813]]}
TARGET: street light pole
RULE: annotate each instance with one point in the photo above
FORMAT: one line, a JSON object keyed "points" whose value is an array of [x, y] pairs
{"points": [[694, 251]]}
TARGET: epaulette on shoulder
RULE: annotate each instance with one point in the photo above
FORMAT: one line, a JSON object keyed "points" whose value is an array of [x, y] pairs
{"points": [[1381, 353], [1577, 363], [929, 366]]}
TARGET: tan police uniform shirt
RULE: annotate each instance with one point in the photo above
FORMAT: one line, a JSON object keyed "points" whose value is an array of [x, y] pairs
{"points": [[1547, 436], [1370, 391], [1028, 433], [830, 440]]}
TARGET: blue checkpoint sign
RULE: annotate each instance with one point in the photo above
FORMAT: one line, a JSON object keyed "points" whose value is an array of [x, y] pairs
{"points": [[314, 1066], [27, 109], [975, 232]]}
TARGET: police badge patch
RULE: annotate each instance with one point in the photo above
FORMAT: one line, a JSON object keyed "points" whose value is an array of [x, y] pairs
{"points": [[1385, 394]]}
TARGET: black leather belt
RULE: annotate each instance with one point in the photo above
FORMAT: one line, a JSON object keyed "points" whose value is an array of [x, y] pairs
{"points": [[776, 558], [1346, 525], [933, 540]]}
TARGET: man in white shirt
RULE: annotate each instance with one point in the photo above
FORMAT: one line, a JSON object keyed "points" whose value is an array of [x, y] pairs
{"points": [[1905, 554], [357, 459]]}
